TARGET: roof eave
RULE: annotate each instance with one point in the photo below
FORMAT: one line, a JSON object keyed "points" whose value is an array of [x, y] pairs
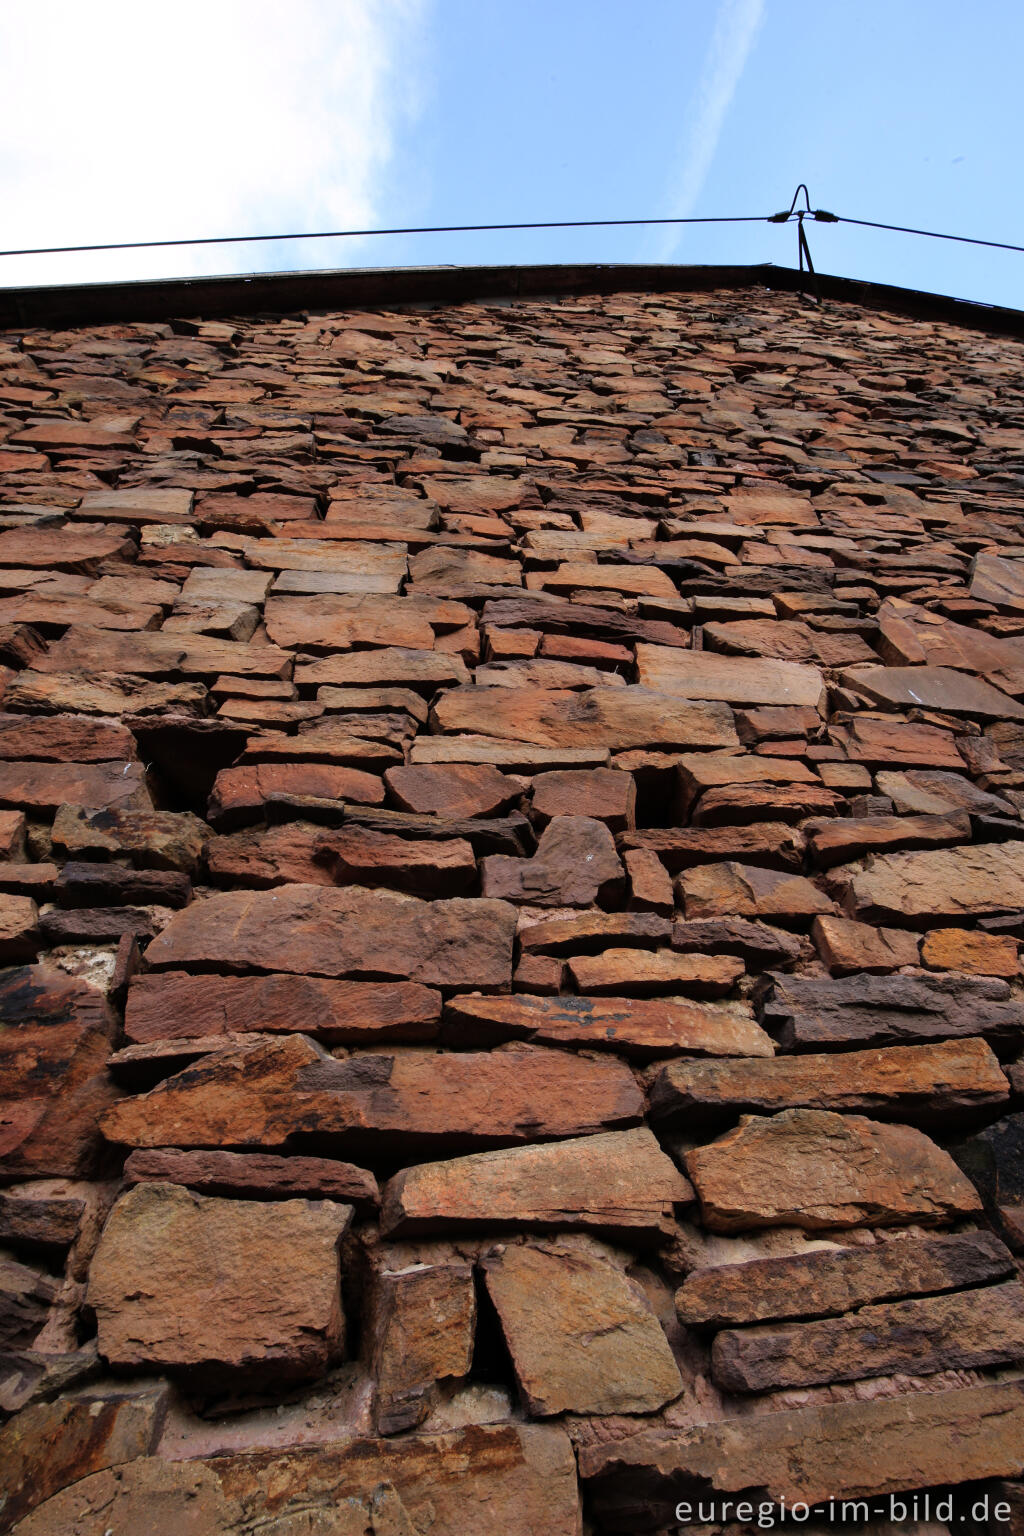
{"points": [[375, 287]]}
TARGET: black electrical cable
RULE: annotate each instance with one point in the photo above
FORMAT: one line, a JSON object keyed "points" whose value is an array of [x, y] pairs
{"points": [[932, 234], [344, 234], [820, 215]]}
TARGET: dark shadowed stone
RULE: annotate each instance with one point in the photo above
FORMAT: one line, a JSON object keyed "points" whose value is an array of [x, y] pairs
{"points": [[838, 1450], [805, 1013], [964, 1331], [919, 1083], [828, 1281]]}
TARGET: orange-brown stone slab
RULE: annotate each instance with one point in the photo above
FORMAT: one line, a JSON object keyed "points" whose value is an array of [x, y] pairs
{"points": [[811, 1168], [360, 934]]}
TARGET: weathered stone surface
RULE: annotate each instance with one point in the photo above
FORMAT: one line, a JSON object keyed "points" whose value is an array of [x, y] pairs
{"points": [[49, 1446], [320, 741], [360, 856], [847, 946], [253, 1175], [510, 834], [940, 688], [921, 888], [96, 925], [925, 792], [998, 581], [630, 579], [389, 667], [766, 843], [610, 718], [169, 1005], [23, 879], [582, 1336], [143, 503], [620, 1181], [20, 938], [911, 636], [575, 865], [365, 567], [604, 793], [592, 932], [156, 654], [829, 1281], [55, 1036], [916, 1083], [650, 884], [422, 1330], [769, 514], [813, 1169], [745, 890], [180, 1280], [265, 1093], [556, 616], [968, 1330], [41, 1214], [630, 1026], [96, 786], [330, 621], [662, 972], [705, 675], [65, 738], [889, 743], [67, 549], [509, 755], [27, 1293], [151, 839], [850, 837], [732, 804], [994, 1161], [361, 934], [786, 639], [240, 794], [453, 790], [290, 853], [841, 1451], [803, 1011], [109, 694], [82, 883], [12, 835], [758, 943], [700, 771], [976, 954], [519, 1477]]}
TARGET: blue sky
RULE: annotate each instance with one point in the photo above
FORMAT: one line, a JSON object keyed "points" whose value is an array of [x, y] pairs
{"points": [[227, 116]]}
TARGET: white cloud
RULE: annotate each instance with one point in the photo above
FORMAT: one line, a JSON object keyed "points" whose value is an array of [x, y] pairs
{"points": [[731, 41], [171, 118]]}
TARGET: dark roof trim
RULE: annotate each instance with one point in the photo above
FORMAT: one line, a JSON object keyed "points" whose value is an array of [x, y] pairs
{"points": [[288, 292]]}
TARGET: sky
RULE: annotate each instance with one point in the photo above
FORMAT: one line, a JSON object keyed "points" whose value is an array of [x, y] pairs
{"points": [[166, 120]]}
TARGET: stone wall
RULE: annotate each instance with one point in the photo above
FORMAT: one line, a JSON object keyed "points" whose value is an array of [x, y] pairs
{"points": [[511, 889]]}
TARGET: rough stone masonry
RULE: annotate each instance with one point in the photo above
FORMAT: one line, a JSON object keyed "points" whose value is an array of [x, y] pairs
{"points": [[511, 880]]}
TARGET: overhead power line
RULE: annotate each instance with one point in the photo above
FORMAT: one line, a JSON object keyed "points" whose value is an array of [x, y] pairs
{"points": [[819, 215], [349, 234], [932, 234]]}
